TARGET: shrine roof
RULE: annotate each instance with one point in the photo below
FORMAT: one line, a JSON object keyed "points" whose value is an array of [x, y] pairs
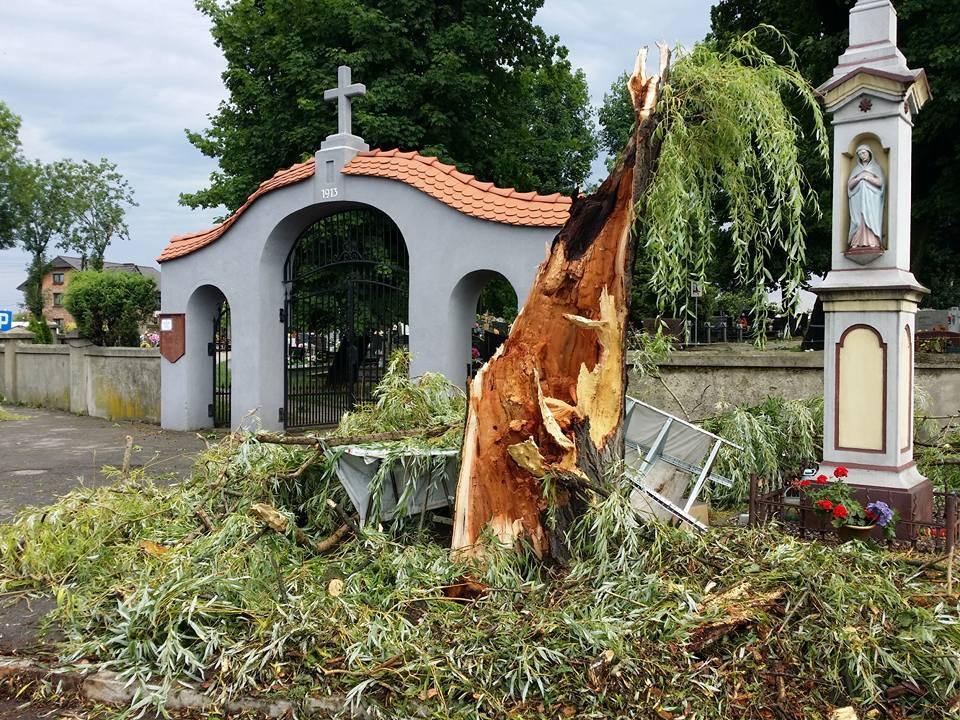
{"points": [[462, 192]]}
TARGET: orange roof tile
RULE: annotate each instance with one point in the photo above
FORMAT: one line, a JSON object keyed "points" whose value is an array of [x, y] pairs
{"points": [[443, 182], [463, 192], [185, 244]]}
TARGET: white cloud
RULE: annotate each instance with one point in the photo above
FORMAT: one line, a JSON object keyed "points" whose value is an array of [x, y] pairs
{"points": [[123, 78]]}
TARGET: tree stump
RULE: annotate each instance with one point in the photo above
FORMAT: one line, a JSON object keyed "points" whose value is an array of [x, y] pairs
{"points": [[550, 401]]}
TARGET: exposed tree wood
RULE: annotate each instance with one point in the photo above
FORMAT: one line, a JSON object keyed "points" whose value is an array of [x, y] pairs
{"points": [[314, 441], [550, 401], [741, 608]]}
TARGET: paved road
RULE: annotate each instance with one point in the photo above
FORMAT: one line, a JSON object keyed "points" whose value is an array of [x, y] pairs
{"points": [[44, 455], [48, 452]]}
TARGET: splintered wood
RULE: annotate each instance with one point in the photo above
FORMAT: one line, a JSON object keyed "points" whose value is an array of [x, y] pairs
{"points": [[550, 401]]}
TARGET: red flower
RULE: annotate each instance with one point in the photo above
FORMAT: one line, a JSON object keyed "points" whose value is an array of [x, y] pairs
{"points": [[839, 511], [870, 515], [805, 482], [824, 504], [821, 479], [840, 472]]}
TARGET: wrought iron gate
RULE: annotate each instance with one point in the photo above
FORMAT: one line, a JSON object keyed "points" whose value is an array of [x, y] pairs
{"points": [[219, 350], [346, 282]]}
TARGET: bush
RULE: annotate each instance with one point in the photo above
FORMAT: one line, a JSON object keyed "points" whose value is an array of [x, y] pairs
{"points": [[110, 306], [42, 334]]}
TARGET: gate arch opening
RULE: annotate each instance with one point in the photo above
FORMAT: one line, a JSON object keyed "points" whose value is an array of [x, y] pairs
{"points": [[346, 283], [210, 366], [485, 303]]}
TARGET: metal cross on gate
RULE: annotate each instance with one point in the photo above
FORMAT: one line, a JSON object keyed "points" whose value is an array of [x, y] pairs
{"points": [[342, 94]]}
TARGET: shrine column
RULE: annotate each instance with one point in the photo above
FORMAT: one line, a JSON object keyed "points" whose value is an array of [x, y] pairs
{"points": [[870, 296]]}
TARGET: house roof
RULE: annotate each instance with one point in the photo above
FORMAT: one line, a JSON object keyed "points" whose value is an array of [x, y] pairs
{"points": [[443, 182], [66, 262]]}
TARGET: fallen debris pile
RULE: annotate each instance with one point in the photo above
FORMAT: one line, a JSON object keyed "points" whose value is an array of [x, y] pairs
{"points": [[187, 584]]}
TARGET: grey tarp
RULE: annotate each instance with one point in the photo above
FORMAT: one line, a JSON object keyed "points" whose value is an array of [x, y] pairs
{"points": [[424, 480]]}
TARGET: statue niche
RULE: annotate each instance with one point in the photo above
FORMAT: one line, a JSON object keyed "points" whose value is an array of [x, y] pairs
{"points": [[866, 188]]}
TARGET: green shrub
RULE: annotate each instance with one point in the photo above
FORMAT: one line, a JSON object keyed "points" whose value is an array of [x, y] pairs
{"points": [[110, 306], [42, 334]]}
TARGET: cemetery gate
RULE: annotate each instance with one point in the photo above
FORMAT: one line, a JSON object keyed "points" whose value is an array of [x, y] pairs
{"points": [[219, 349], [346, 290]]}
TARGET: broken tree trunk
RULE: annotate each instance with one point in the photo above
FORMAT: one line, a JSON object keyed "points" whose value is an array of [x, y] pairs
{"points": [[550, 401]]}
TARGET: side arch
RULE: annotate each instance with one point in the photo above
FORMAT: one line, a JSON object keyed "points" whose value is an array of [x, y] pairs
{"points": [[463, 311], [188, 384]]}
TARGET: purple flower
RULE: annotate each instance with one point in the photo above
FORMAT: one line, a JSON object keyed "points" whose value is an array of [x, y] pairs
{"points": [[880, 513]]}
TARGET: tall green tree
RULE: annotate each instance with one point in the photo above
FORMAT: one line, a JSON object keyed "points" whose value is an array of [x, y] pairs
{"points": [[98, 200], [929, 36], [11, 162], [43, 216], [110, 307], [477, 83]]}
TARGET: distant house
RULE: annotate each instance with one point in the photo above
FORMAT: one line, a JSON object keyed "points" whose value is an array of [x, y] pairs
{"points": [[57, 279]]}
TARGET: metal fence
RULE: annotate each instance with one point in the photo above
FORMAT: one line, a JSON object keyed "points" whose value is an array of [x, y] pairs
{"points": [[792, 509]]}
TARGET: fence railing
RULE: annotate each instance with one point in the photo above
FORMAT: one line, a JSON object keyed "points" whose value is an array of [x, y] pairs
{"points": [[793, 510]]}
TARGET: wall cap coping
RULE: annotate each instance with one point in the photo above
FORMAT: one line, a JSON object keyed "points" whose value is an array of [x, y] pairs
{"points": [[786, 359], [30, 349], [97, 351]]}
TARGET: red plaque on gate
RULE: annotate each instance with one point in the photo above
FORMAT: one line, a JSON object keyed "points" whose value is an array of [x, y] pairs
{"points": [[172, 337]]}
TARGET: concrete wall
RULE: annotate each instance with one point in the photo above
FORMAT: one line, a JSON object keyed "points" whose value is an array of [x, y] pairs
{"points": [[42, 376], [123, 383], [706, 381], [112, 383]]}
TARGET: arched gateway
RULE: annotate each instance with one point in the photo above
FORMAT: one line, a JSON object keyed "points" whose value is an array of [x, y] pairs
{"points": [[328, 266]]}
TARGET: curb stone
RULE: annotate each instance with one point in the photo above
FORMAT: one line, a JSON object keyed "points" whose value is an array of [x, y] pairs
{"points": [[107, 688]]}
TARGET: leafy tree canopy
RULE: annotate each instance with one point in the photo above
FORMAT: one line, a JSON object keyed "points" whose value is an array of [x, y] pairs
{"points": [[43, 215], [479, 84], [110, 306], [97, 199], [730, 158], [10, 161], [929, 36]]}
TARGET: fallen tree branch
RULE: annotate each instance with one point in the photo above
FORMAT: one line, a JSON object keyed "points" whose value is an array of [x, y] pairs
{"points": [[741, 609], [204, 519], [329, 441], [278, 522]]}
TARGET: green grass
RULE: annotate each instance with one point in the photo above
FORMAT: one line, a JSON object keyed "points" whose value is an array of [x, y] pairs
{"points": [[7, 415]]}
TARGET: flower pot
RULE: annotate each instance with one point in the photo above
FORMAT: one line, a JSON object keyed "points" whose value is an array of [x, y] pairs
{"points": [[855, 532]]}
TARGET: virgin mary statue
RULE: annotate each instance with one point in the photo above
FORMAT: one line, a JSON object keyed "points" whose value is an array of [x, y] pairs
{"points": [[865, 189]]}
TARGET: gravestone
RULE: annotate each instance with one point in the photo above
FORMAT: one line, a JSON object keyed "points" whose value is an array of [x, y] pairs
{"points": [[870, 296]]}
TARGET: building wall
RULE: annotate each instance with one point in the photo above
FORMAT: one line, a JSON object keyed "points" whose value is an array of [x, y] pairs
{"points": [[112, 383], [42, 376], [705, 382], [52, 312]]}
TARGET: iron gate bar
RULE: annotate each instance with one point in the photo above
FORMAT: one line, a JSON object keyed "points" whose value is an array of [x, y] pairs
{"points": [[344, 313], [222, 375]]}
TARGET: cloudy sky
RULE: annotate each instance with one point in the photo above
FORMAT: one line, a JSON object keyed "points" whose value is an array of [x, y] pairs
{"points": [[122, 79]]}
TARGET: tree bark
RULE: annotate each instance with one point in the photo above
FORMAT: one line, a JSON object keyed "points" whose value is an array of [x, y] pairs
{"points": [[550, 401]]}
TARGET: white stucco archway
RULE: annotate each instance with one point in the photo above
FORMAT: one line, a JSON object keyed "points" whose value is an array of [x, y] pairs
{"points": [[457, 231]]}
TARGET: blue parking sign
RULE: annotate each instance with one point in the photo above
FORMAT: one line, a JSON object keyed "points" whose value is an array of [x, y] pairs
{"points": [[6, 320]]}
